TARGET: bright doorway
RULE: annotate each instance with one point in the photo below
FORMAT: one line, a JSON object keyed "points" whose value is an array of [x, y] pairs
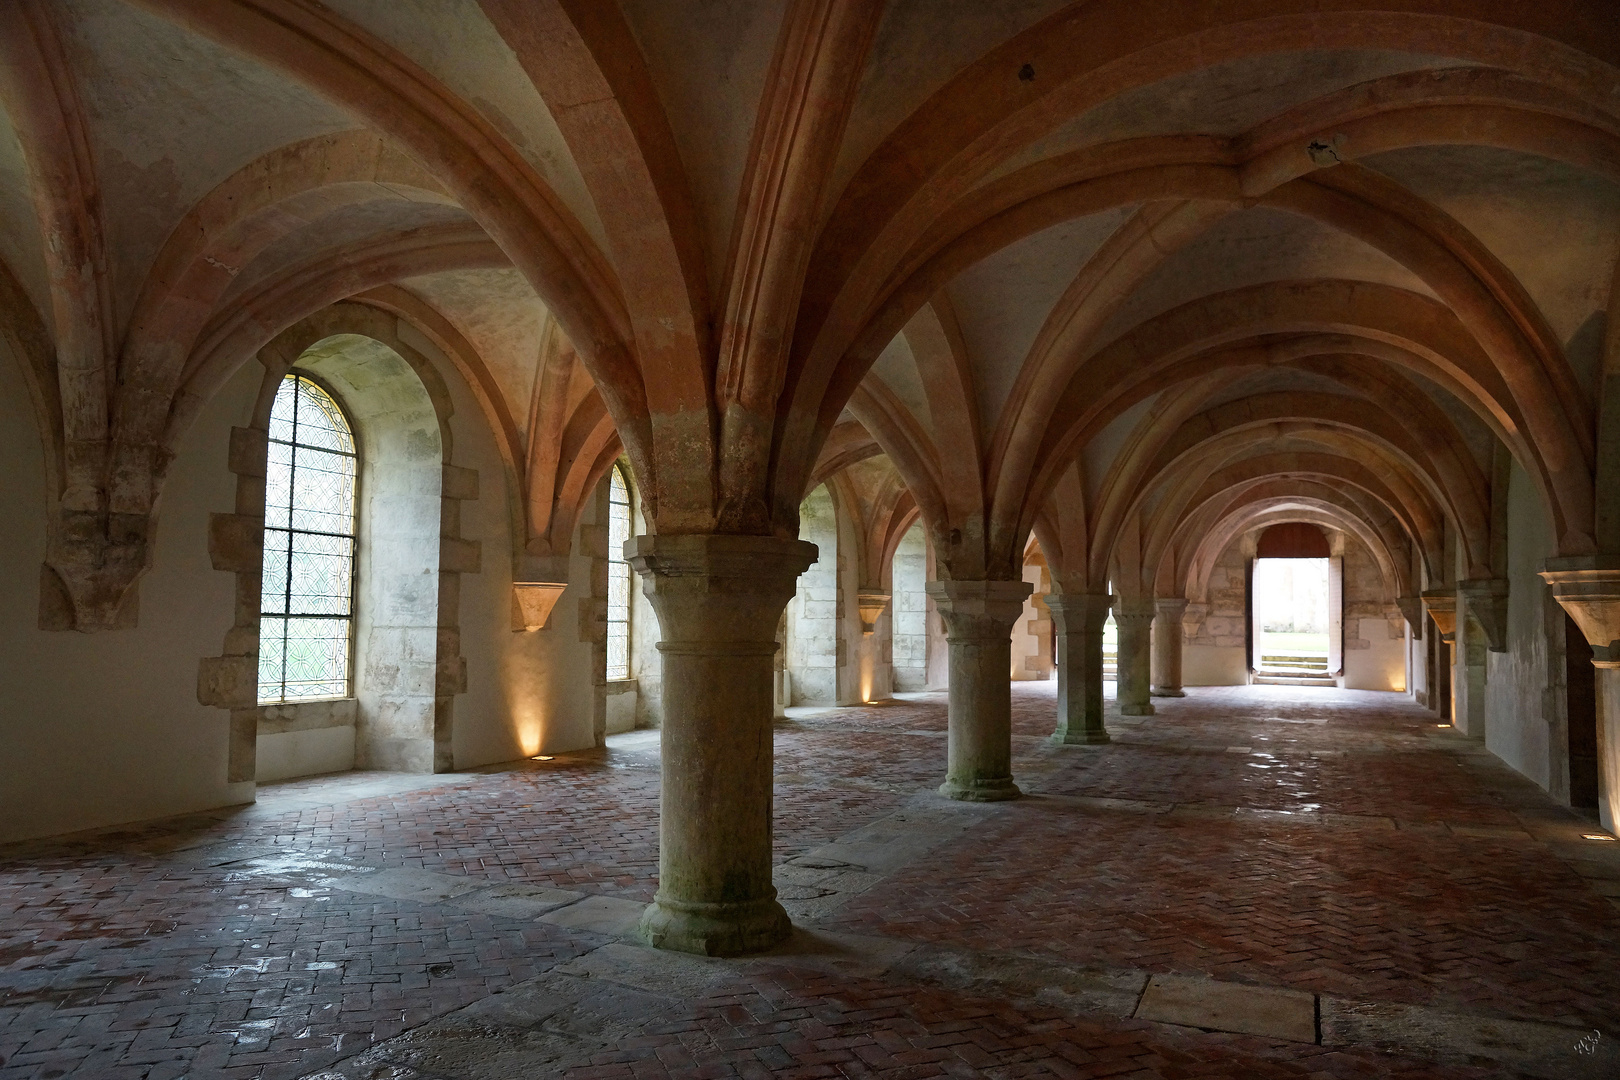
{"points": [[1296, 594], [1291, 616]]}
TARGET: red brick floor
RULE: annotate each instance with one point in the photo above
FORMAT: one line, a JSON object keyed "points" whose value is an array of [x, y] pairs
{"points": [[124, 954]]}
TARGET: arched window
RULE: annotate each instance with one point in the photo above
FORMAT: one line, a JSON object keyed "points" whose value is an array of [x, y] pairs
{"points": [[306, 614], [618, 613]]}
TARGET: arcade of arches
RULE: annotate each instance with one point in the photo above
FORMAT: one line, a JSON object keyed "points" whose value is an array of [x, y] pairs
{"points": [[955, 381]]}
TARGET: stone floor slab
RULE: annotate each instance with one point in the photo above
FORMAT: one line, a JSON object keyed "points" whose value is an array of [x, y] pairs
{"points": [[1216, 1006], [606, 915], [1540, 1050]]}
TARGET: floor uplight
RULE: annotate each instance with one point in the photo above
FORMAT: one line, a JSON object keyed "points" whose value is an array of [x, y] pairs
{"points": [[1596, 836], [541, 757]]}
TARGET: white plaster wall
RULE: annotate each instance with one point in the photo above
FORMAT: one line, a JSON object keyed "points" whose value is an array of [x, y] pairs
{"points": [[287, 754], [305, 738], [528, 692], [1516, 682], [1213, 665], [621, 708], [106, 728], [542, 678], [1380, 662]]}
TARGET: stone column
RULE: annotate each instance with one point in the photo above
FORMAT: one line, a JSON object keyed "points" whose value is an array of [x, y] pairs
{"points": [[1078, 619], [1135, 657], [1589, 589], [979, 617], [1167, 646], [718, 601]]}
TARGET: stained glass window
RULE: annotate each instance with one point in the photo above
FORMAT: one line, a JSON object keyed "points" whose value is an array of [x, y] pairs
{"points": [[618, 621], [306, 614]]}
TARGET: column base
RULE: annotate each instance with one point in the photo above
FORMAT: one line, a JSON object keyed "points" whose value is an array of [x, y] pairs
{"points": [[999, 789], [1080, 738], [1137, 710], [730, 929], [1168, 693]]}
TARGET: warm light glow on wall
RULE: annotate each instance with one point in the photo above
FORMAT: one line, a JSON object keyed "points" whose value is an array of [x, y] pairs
{"points": [[530, 731]]}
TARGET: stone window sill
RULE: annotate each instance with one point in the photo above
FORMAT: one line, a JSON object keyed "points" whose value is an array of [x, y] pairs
{"points": [[307, 715]]}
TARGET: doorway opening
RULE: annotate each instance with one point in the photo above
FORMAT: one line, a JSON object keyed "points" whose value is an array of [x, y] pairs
{"points": [[1294, 605], [1291, 609]]}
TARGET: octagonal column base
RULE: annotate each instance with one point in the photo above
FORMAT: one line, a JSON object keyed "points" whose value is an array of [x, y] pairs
{"points": [[715, 929]]}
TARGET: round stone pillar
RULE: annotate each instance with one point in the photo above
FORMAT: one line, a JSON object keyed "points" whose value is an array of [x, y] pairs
{"points": [[1589, 589], [1167, 646], [1135, 655], [979, 617], [718, 601], [1078, 619]]}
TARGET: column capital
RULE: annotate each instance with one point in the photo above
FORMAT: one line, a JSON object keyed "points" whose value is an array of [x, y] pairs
{"points": [[1441, 605], [1588, 587], [700, 583], [975, 610], [1077, 613], [1134, 607], [1172, 606]]}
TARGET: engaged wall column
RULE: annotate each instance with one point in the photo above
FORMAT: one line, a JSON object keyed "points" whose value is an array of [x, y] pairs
{"points": [[1588, 587], [979, 617], [718, 601]]}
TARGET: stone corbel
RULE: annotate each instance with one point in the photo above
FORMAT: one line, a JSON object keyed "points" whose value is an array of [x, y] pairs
{"points": [[1488, 605], [92, 563], [1588, 587], [1412, 608], [533, 601], [1441, 605], [871, 605]]}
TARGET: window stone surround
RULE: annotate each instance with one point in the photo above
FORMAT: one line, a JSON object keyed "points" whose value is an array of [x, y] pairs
{"points": [[236, 541]]}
